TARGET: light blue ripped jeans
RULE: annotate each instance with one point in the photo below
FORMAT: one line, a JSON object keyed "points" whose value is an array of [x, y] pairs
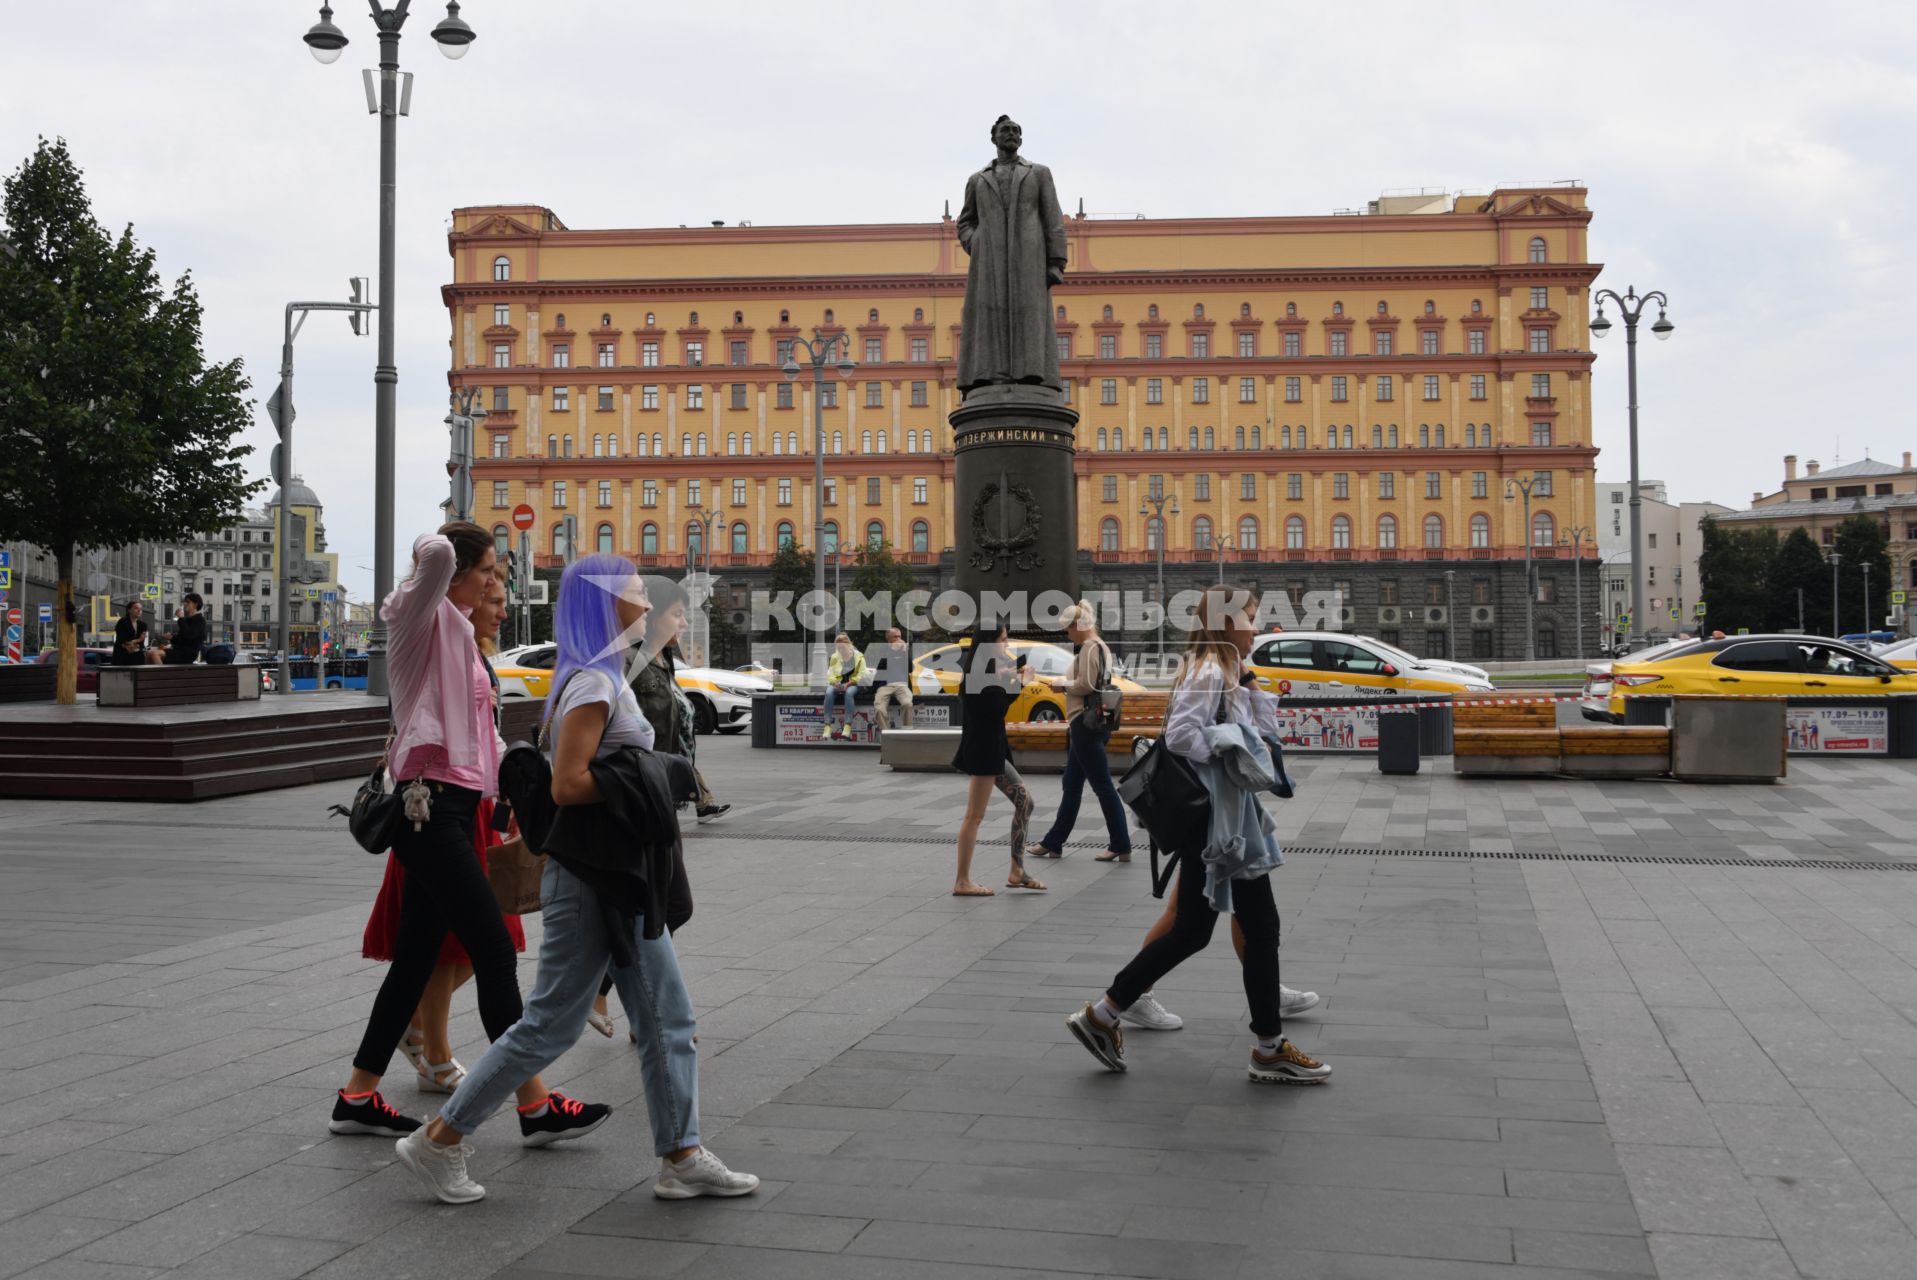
{"points": [[573, 955]]}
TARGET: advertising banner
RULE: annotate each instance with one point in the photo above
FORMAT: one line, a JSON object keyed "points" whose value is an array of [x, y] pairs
{"points": [[802, 723], [1329, 728], [1837, 730]]}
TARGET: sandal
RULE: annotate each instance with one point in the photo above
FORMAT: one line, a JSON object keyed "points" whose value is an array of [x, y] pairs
{"points": [[415, 1050], [600, 1022], [430, 1074], [972, 891], [1025, 881]]}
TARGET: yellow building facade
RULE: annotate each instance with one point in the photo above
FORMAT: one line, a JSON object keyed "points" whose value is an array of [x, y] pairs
{"points": [[1313, 391]]}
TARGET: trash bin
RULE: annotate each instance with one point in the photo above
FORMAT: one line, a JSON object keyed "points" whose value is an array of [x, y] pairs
{"points": [[1398, 741]]}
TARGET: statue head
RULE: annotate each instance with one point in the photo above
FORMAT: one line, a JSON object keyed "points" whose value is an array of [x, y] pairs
{"points": [[1006, 133]]}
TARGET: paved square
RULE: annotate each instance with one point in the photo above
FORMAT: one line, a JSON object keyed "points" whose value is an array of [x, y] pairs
{"points": [[1546, 1066]]}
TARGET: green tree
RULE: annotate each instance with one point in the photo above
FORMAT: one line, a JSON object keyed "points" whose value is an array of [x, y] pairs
{"points": [[113, 428], [1799, 576], [1734, 570], [1862, 540], [880, 575], [791, 575]]}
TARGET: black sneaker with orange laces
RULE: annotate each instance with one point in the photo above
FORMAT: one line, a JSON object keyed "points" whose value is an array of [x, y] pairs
{"points": [[563, 1120], [369, 1114]]}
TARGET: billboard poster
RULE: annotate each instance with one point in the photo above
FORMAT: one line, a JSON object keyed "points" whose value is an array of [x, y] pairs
{"points": [[805, 722], [1837, 730], [1329, 728]]}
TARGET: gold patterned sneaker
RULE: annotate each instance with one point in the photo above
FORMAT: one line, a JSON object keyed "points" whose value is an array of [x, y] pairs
{"points": [[1290, 1065], [1107, 1044]]}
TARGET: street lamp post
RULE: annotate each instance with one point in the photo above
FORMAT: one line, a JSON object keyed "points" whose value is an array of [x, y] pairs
{"points": [[1450, 616], [327, 41], [819, 354], [1869, 626], [463, 422], [1523, 485], [705, 516], [1630, 307], [1574, 537], [1154, 505], [1835, 629], [1220, 545]]}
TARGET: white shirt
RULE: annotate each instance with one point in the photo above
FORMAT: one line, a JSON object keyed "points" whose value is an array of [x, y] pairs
{"points": [[625, 727], [1194, 708], [1264, 712]]}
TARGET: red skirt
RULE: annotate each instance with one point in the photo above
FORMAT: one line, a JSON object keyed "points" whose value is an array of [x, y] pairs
{"points": [[382, 927]]}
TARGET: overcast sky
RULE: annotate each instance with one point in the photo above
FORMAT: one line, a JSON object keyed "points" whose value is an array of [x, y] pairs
{"points": [[1751, 159]]}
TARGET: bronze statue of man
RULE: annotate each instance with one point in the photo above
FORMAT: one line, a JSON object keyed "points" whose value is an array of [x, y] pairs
{"points": [[1014, 230]]}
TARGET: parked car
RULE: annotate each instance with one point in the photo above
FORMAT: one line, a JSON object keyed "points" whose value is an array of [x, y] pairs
{"points": [[937, 671], [1770, 665], [1595, 701], [721, 700], [87, 678], [1337, 664], [1901, 654]]}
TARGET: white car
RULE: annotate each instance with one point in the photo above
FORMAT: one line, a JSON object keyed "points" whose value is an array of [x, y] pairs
{"points": [[1477, 675], [1595, 701], [1337, 664], [721, 700]]}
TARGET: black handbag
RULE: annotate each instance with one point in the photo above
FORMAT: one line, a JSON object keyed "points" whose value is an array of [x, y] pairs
{"points": [[1170, 800], [376, 812]]}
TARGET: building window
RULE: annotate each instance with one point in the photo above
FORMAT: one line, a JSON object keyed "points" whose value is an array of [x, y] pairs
{"points": [[605, 399], [1248, 487], [829, 395], [502, 268], [875, 351], [1339, 341], [1247, 345], [782, 536], [695, 397], [561, 399], [1540, 433], [1248, 533], [1201, 487], [1339, 389], [1108, 346], [1480, 530], [1341, 533], [502, 355], [605, 493], [783, 400], [874, 534], [1540, 341], [1108, 534], [1294, 390], [1384, 387], [561, 355], [1387, 484], [1295, 486], [1381, 341], [500, 499], [1479, 484], [738, 354], [1247, 391], [1477, 386], [1537, 249], [606, 360], [1428, 342], [1294, 345], [1201, 390], [1201, 533], [1433, 484], [1541, 484], [1108, 390], [1294, 533], [1434, 531], [1154, 533], [738, 493], [1431, 386], [559, 495], [1388, 536], [502, 445], [692, 493], [872, 498], [648, 397], [921, 350], [1340, 484], [648, 493], [1474, 342], [1540, 298], [1154, 346], [829, 538], [649, 355], [695, 354], [1154, 391]]}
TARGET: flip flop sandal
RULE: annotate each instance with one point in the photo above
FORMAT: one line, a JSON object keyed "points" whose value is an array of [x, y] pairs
{"points": [[976, 891], [1026, 882]]}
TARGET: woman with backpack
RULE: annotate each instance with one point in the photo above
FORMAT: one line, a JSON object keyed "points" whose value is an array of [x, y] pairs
{"points": [[1086, 735], [1223, 864], [604, 894]]}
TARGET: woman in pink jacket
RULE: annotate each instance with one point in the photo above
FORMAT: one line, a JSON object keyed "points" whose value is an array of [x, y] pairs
{"points": [[444, 740]]}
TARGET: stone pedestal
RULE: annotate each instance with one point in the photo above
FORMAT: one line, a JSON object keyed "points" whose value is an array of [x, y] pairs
{"points": [[1016, 513]]}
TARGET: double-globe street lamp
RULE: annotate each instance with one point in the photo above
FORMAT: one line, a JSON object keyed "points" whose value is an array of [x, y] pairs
{"points": [[1630, 306], [1154, 505], [1513, 487], [819, 352], [327, 41], [1574, 538]]}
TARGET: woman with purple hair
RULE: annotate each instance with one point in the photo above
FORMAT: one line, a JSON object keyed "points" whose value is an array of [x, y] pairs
{"points": [[596, 735]]}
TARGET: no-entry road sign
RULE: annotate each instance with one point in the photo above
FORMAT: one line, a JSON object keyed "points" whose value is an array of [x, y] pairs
{"points": [[523, 516]]}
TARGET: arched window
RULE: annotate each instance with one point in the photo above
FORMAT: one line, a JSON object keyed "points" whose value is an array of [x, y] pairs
{"points": [[502, 539], [1347, 435], [1118, 438], [694, 318], [778, 445], [652, 321], [791, 442], [559, 538], [1060, 312], [1208, 438], [702, 444], [1341, 533], [1198, 311], [732, 444], [612, 446], [1387, 532], [1238, 438], [1544, 530], [1382, 309], [1102, 439], [502, 268], [565, 445], [785, 317], [1148, 439], [685, 444], [829, 538], [598, 446], [1108, 313], [865, 442], [1244, 310], [1470, 435], [1154, 531], [1480, 530], [1424, 435], [874, 533], [1391, 436], [882, 448], [921, 537], [658, 444], [745, 444], [559, 321], [603, 540], [738, 317], [1108, 538], [1430, 307], [1164, 435], [1151, 312], [1537, 249], [740, 538], [695, 537], [828, 315], [1434, 531], [649, 539], [838, 442], [1337, 308], [1477, 307], [640, 442], [872, 316], [785, 534], [1248, 533], [1294, 533], [1257, 437], [1291, 311], [1191, 438], [1331, 437], [1286, 437], [1377, 436], [1437, 435], [1201, 533]]}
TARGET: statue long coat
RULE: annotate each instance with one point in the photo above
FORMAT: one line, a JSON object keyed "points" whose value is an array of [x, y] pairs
{"points": [[1007, 333]]}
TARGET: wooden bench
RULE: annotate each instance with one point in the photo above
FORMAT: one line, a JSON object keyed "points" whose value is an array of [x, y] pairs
{"points": [[28, 681], [1505, 715], [164, 686], [1504, 752], [1615, 751]]}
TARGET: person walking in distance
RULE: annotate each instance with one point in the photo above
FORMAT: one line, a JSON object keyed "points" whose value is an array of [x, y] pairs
{"points": [[603, 902], [1226, 865], [989, 678], [893, 682], [444, 757], [1085, 743], [843, 672], [130, 635], [189, 632]]}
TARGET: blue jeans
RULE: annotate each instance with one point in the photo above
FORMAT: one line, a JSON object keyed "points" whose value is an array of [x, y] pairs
{"points": [[845, 696], [573, 955], [1085, 762]]}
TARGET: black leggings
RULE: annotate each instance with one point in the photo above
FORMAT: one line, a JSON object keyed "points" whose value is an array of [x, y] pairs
{"points": [[445, 891], [1257, 915]]}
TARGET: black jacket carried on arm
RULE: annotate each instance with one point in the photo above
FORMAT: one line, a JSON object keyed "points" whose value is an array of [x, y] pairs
{"points": [[624, 847]]}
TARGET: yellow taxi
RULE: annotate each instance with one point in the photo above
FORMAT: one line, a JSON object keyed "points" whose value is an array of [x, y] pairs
{"points": [[937, 671], [721, 700], [1759, 666], [1901, 654], [1337, 664]]}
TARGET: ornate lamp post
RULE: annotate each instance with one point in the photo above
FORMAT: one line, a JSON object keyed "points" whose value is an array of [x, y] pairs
{"points": [[819, 353], [1630, 307], [1574, 538], [1154, 506], [705, 516], [327, 41], [1513, 487]]}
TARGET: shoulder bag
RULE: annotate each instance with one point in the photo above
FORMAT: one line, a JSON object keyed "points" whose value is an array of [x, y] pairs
{"points": [[377, 810], [1106, 702], [1170, 799]]}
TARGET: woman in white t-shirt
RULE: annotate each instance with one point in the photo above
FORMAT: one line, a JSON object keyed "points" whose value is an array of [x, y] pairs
{"points": [[601, 610]]}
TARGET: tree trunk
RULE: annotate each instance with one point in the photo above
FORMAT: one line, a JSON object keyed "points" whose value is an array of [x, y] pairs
{"points": [[67, 682]]}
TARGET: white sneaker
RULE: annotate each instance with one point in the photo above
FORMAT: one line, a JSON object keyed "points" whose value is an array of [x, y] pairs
{"points": [[1294, 1002], [700, 1174], [1148, 1013], [442, 1169]]}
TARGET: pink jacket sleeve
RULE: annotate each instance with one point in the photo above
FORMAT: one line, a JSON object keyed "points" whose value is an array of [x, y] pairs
{"points": [[409, 610]]}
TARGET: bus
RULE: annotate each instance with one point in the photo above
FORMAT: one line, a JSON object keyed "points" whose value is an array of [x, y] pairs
{"points": [[341, 673]]}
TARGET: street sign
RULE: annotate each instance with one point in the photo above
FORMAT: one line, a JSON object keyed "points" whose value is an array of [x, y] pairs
{"points": [[6, 579], [6, 559], [1899, 597], [310, 593], [523, 517], [97, 582], [13, 639], [1673, 613], [1743, 631], [46, 613], [1697, 610], [150, 591], [331, 597], [1624, 621], [273, 411]]}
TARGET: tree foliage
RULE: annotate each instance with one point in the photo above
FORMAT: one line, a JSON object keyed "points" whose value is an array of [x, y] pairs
{"points": [[1799, 574], [1733, 571], [791, 576], [1862, 541], [113, 427], [880, 575]]}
